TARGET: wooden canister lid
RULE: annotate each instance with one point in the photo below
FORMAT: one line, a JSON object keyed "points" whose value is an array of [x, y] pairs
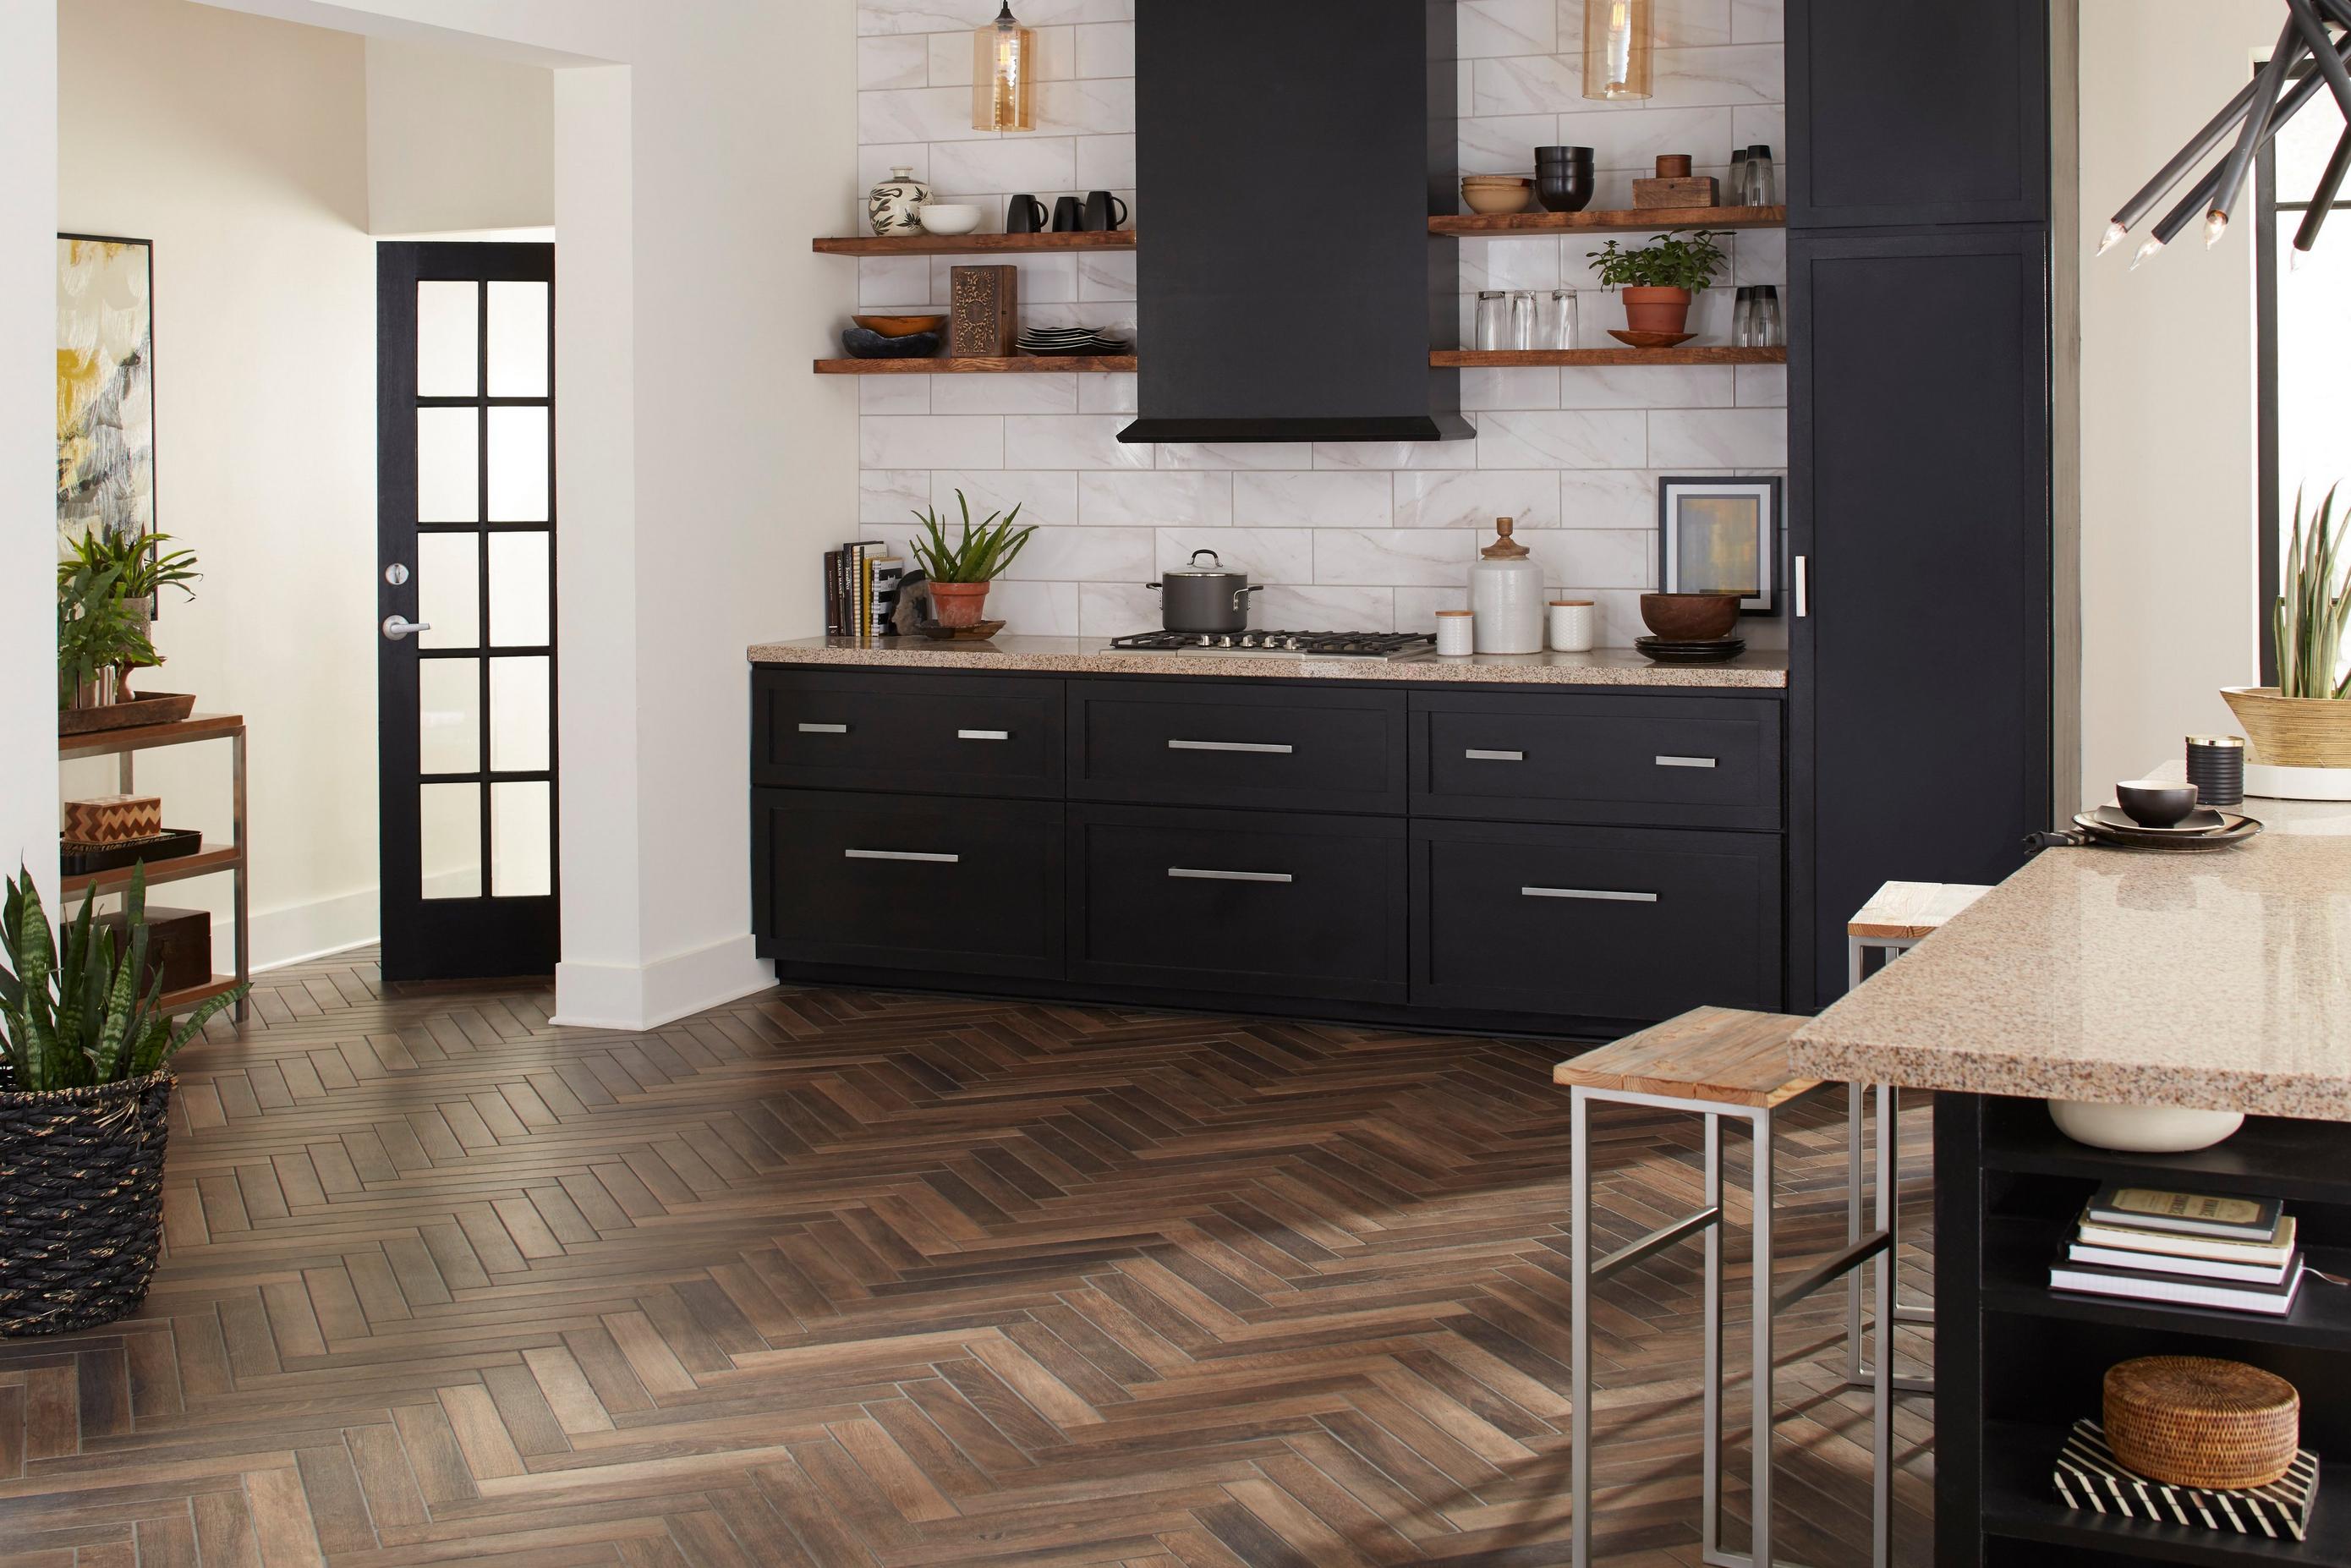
{"points": [[1673, 165], [2194, 1421]]}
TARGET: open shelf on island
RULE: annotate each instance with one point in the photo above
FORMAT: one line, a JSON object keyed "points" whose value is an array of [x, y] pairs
{"points": [[972, 245], [1688, 354], [1023, 364], [1613, 220]]}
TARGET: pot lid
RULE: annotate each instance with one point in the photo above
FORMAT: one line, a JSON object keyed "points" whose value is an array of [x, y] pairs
{"points": [[1504, 546], [1214, 569]]}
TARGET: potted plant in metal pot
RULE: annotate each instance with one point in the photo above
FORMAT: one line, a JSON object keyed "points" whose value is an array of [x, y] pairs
{"points": [[108, 583], [84, 1095], [959, 574], [1661, 278], [2304, 721]]}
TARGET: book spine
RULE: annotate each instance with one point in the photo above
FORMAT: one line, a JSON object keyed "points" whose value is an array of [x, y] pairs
{"points": [[864, 592], [833, 593]]}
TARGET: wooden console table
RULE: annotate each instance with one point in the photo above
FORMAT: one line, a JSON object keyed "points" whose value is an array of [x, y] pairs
{"points": [[211, 859]]}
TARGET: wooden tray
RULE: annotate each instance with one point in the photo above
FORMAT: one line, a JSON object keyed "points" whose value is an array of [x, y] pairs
{"points": [[163, 708], [81, 860], [979, 634]]}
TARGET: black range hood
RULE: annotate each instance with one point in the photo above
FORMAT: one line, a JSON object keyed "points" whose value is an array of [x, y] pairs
{"points": [[1288, 153]]}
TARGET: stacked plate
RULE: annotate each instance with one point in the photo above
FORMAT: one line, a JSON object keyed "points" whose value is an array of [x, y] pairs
{"points": [[1071, 341], [2205, 828], [1693, 650]]}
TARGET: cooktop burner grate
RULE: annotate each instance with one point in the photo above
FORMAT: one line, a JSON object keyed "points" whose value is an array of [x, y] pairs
{"points": [[1282, 644]]}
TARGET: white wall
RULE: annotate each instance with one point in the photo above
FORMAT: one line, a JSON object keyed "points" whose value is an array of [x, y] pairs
{"points": [[456, 141], [1350, 535], [2168, 457]]}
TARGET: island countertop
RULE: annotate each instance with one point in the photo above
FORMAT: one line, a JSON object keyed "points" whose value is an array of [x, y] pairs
{"points": [[2213, 981], [1756, 668]]}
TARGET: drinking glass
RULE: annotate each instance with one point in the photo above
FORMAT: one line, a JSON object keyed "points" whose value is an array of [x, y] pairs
{"points": [[1493, 319], [1522, 319], [1742, 319], [1770, 331], [1760, 192], [1557, 325]]}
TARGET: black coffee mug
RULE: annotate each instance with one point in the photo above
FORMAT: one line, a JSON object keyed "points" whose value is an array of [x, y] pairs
{"points": [[1024, 216], [1069, 215], [1099, 206]]}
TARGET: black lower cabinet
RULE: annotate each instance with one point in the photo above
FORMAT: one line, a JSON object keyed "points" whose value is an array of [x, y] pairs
{"points": [[1630, 923], [925, 885], [1272, 902]]}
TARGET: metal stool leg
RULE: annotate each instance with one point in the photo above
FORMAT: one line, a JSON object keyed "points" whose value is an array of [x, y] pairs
{"points": [[1761, 1378], [1710, 1461], [1579, 1331], [1855, 1368], [1881, 1493]]}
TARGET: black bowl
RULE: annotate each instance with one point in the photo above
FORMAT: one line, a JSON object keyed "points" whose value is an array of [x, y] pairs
{"points": [[1564, 155], [2152, 804], [1564, 188], [865, 345]]}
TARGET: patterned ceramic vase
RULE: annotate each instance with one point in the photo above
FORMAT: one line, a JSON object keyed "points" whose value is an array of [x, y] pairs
{"points": [[895, 206]]}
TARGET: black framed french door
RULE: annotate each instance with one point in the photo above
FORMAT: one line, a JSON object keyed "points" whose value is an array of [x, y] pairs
{"points": [[465, 656]]}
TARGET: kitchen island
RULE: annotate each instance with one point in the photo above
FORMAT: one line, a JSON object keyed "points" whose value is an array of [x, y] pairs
{"points": [[2218, 981]]}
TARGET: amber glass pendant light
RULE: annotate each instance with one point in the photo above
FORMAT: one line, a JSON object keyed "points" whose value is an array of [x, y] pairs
{"points": [[1003, 61], [1616, 44]]}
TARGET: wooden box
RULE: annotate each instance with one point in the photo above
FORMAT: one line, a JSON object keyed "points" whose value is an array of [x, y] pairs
{"points": [[1690, 191], [179, 946], [113, 818], [985, 304]]}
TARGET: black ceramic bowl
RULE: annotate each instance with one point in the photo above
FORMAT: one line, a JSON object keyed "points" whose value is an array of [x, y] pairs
{"points": [[1563, 187], [2152, 804], [865, 345]]}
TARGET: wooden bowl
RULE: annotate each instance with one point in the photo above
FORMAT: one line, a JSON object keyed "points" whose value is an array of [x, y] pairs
{"points": [[900, 326], [2292, 732], [2194, 1421], [1497, 201], [1690, 617]]}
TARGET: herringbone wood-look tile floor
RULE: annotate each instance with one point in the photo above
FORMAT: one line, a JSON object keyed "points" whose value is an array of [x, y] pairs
{"points": [[839, 1277]]}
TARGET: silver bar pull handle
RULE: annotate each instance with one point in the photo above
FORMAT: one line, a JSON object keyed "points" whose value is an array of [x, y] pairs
{"points": [[1191, 874], [824, 729], [1804, 586], [983, 734], [1599, 896], [1684, 761], [900, 855], [1230, 746], [1474, 755]]}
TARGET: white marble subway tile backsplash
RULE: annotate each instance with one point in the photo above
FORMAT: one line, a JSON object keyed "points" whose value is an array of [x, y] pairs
{"points": [[1370, 535]]}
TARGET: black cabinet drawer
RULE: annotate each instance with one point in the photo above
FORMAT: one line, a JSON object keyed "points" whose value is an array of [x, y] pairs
{"points": [[1189, 742], [1679, 762], [1626, 924], [1239, 901], [907, 882], [940, 732]]}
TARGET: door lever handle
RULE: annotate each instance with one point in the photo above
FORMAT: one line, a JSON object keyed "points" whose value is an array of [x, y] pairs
{"points": [[395, 627]]}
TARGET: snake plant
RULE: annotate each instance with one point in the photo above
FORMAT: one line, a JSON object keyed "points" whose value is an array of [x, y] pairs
{"points": [[980, 555], [71, 1014], [2313, 608]]}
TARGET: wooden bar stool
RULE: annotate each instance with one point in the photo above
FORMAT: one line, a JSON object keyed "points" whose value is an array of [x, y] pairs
{"points": [[1898, 917], [1717, 1063]]}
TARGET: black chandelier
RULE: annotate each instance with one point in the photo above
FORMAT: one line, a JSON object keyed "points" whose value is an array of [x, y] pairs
{"points": [[2252, 117]]}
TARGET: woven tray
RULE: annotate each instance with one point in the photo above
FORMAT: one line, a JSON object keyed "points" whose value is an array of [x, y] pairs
{"points": [[2089, 1480], [2194, 1421]]}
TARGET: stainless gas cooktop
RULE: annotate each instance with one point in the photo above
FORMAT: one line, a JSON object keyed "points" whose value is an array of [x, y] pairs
{"points": [[1281, 644]]}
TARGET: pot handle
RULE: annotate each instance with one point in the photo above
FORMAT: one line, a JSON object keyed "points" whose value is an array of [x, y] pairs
{"points": [[1212, 559], [1240, 595], [1157, 587]]}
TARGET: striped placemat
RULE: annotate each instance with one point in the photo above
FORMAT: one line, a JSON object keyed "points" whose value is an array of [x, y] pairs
{"points": [[2092, 1480]]}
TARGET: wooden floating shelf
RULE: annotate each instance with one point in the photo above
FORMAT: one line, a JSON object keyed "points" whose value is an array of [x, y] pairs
{"points": [[204, 863], [1508, 359], [1024, 364], [973, 245], [1613, 220]]}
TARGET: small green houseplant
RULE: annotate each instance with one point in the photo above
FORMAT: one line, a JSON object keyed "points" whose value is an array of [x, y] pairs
{"points": [[959, 572], [1661, 277], [107, 584], [85, 1101], [2304, 721]]}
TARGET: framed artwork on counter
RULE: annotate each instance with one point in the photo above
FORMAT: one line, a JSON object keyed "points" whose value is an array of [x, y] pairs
{"points": [[1718, 535]]}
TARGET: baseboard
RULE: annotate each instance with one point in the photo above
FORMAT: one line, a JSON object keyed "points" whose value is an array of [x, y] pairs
{"points": [[300, 931], [621, 996]]}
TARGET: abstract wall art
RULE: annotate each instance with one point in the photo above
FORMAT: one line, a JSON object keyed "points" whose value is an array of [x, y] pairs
{"points": [[106, 385], [1721, 536]]}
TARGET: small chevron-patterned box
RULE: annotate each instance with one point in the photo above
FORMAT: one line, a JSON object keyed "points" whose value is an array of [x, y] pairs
{"points": [[113, 818]]}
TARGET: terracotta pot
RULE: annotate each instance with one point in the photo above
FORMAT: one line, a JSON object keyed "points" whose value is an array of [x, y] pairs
{"points": [[1657, 309], [2292, 732], [959, 603]]}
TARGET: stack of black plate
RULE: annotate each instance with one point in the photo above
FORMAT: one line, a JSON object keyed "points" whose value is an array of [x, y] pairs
{"points": [[1071, 341], [2205, 828], [1692, 650]]}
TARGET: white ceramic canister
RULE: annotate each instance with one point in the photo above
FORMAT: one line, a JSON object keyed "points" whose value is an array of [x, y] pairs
{"points": [[1456, 638], [1506, 595], [895, 206], [1571, 625]]}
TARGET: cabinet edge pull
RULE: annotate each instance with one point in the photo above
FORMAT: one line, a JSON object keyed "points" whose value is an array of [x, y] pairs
{"points": [[983, 734], [900, 855], [1194, 874], [1601, 896], [1230, 746], [1474, 755], [1686, 762], [823, 728]]}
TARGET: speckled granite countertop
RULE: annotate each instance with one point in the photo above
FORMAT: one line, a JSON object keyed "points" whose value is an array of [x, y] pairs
{"points": [[2218, 981], [1094, 656]]}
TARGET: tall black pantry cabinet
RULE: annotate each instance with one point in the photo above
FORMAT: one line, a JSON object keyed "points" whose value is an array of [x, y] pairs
{"points": [[1920, 432]]}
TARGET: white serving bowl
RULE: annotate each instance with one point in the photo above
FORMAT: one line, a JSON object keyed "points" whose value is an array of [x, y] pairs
{"points": [[2142, 1129], [947, 218]]}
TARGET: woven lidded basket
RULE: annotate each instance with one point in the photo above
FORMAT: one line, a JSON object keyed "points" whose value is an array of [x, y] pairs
{"points": [[81, 1201], [2194, 1421]]}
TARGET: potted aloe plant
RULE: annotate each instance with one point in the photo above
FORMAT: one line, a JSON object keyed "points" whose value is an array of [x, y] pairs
{"points": [[1660, 278], [2304, 721], [85, 1092], [959, 572]]}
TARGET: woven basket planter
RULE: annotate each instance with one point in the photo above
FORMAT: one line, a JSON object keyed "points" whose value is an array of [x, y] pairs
{"points": [[81, 1202], [2292, 732]]}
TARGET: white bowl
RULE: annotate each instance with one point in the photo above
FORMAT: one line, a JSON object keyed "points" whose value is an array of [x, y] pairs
{"points": [[2142, 1129], [941, 218]]}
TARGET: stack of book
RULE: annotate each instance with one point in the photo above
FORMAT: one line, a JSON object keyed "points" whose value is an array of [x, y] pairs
{"points": [[2235, 1254], [861, 589]]}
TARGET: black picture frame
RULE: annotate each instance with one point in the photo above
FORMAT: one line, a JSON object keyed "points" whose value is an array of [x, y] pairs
{"points": [[1768, 489]]}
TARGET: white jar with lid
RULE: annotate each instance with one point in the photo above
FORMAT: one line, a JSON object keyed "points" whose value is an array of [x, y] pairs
{"points": [[1506, 595], [1571, 625], [1455, 633]]}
